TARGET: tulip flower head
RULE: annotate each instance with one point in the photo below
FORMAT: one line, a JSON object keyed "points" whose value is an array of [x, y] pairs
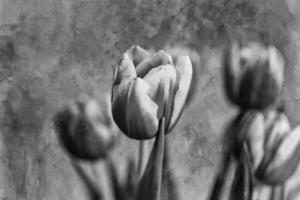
{"points": [[147, 87], [281, 150], [85, 130], [253, 75]]}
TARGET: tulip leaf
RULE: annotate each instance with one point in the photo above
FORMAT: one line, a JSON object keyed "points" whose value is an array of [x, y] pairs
{"points": [[150, 183]]}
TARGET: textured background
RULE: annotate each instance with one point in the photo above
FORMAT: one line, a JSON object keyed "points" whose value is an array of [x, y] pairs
{"points": [[53, 50]]}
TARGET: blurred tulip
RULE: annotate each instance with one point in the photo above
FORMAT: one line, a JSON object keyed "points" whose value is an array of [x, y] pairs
{"points": [[252, 132], [147, 87], [243, 139], [282, 152], [85, 130], [253, 75], [266, 138]]}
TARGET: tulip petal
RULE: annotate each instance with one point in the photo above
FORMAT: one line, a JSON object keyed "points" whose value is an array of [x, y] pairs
{"points": [[124, 70], [185, 73], [255, 138], [161, 81], [134, 111], [277, 131], [137, 54], [157, 59], [258, 88], [279, 164], [276, 64], [250, 130], [232, 72]]}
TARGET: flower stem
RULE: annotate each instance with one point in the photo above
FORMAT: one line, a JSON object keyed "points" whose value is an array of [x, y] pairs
{"points": [[142, 157], [93, 190], [277, 192], [150, 183]]}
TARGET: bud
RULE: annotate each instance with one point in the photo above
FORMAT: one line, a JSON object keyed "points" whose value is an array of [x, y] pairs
{"points": [[85, 130], [148, 87], [253, 75]]}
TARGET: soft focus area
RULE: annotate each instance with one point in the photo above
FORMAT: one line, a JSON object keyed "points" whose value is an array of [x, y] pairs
{"points": [[51, 51]]}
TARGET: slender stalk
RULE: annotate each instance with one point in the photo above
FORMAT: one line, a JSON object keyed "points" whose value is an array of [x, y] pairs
{"points": [[221, 178], [142, 157], [242, 185], [150, 183], [117, 188], [277, 192], [92, 188], [169, 186]]}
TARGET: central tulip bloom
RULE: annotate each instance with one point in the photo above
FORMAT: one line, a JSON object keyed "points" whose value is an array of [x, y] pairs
{"points": [[147, 87]]}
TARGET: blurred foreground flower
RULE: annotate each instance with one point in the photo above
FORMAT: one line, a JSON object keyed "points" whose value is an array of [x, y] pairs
{"points": [[253, 75], [148, 87], [85, 130], [266, 150], [281, 151]]}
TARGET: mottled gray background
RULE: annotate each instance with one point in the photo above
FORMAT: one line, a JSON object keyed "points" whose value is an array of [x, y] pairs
{"points": [[52, 50]]}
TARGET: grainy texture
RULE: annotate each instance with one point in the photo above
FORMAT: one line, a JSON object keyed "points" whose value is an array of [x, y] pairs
{"points": [[53, 50]]}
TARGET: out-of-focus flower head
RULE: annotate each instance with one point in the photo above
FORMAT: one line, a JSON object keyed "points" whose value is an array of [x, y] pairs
{"points": [[85, 130], [253, 75], [273, 146], [281, 149]]}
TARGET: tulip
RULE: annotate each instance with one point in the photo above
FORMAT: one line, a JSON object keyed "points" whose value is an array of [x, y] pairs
{"points": [[282, 152], [250, 131], [85, 130], [148, 87], [253, 75], [243, 142]]}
